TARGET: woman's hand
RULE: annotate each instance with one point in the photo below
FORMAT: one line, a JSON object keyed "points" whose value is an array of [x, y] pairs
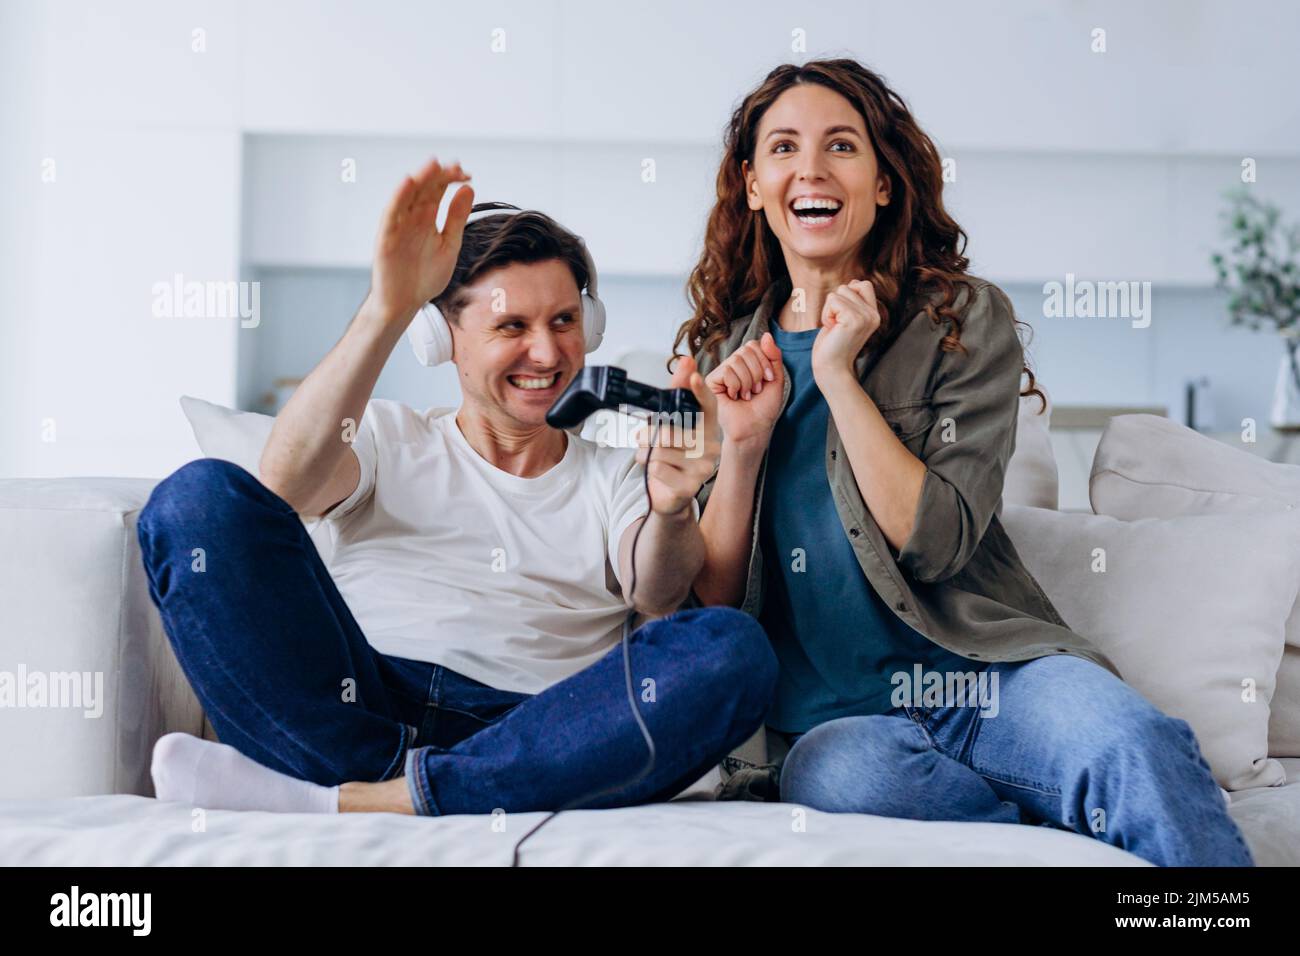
{"points": [[413, 260], [849, 318], [749, 386]]}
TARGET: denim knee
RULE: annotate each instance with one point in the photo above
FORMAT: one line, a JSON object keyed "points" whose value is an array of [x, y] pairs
{"points": [[1173, 735], [1131, 726], [857, 765], [1146, 750], [199, 491], [743, 662]]}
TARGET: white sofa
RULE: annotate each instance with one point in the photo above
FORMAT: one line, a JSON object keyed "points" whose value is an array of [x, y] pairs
{"points": [[75, 787]]}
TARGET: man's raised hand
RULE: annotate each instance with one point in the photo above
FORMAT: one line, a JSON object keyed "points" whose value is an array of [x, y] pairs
{"points": [[414, 260]]}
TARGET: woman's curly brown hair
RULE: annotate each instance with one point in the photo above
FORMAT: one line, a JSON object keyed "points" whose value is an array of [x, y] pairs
{"points": [[915, 247]]}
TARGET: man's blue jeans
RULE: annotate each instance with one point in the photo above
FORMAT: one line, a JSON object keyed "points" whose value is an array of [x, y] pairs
{"points": [[286, 676], [1070, 745]]}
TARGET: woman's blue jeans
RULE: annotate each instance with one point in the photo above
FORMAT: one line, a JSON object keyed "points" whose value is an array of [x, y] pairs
{"points": [[1070, 745], [286, 676]]}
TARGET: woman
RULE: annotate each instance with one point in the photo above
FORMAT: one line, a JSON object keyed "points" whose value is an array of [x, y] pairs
{"points": [[868, 392]]}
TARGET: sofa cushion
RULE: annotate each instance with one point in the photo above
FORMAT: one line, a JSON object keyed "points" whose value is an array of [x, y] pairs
{"points": [[130, 831], [1192, 632], [1269, 818], [77, 617], [1150, 467]]}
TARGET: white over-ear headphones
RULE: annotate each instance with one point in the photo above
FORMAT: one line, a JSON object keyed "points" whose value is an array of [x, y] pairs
{"points": [[430, 335]]}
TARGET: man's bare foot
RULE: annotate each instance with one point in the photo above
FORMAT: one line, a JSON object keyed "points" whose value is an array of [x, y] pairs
{"points": [[391, 796]]}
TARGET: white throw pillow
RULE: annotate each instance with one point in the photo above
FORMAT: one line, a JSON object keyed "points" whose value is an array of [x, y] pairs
{"points": [[1147, 466], [1150, 467], [1191, 610], [239, 437], [228, 434]]}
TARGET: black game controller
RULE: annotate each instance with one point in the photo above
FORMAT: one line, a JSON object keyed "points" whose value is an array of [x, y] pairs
{"points": [[605, 386]]}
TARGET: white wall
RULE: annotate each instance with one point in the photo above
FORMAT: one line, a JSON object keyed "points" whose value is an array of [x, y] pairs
{"points": [[146, 161], [1178, 75], [1106, 165]]}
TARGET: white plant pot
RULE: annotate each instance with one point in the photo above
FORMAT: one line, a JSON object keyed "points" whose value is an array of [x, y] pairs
{"points": [[1286, 394]]}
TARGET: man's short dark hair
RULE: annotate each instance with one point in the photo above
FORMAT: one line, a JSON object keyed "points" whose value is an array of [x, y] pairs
{"points": [[503, 239]]}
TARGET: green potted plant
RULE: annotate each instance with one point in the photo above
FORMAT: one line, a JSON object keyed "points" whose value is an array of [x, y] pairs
{"points": [[1261, 274]]}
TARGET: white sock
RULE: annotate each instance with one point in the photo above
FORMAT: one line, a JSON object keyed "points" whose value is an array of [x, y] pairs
{"points": [[203, 773]]}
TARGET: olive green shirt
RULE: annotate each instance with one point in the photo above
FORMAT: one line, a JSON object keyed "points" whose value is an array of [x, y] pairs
{"points": [[958, 579]]}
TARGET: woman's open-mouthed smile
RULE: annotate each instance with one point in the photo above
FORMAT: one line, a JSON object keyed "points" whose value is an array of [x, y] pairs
{"points": [[815, 175]]}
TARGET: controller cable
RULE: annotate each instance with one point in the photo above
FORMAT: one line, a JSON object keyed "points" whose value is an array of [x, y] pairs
{"points": [[627, 671]]}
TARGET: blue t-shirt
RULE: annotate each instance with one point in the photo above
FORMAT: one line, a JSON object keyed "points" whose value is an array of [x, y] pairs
{"points": [[837, 641]]}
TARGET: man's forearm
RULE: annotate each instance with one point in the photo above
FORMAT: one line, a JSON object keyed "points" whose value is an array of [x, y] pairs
{"points": [[307, 442], [668, 556]]}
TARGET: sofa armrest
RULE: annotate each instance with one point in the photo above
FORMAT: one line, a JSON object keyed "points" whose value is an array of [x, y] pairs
{"points": [[88, 680]]}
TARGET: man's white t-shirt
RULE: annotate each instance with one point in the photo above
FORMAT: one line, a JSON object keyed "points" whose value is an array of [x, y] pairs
{"points": [[443, 557]]}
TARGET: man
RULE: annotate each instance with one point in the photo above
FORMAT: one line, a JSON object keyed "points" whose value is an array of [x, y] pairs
{"points": [[468, 658]]}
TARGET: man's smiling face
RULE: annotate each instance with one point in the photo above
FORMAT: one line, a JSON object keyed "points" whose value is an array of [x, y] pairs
{"points": [[518, 340]]}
